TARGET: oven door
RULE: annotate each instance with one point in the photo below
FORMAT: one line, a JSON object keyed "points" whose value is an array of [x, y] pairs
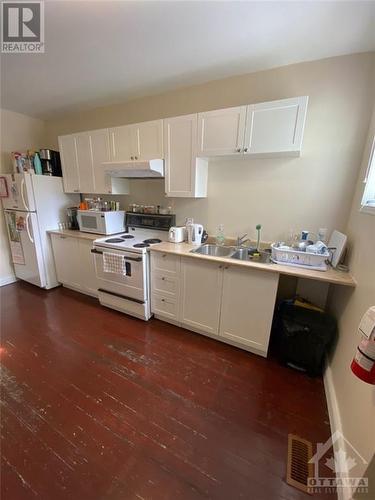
{"points": [[134, 285]]}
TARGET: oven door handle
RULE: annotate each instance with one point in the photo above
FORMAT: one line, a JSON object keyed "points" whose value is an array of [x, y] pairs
{"points": [[134, 259]]}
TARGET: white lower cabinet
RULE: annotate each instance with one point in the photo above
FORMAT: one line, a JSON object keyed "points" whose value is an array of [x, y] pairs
{"points": [[74, 263], [247, 306], [231, 302], [201, 284]]}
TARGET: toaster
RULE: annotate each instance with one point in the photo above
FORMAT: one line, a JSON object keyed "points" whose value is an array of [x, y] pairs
{"points": [[177, 234]]}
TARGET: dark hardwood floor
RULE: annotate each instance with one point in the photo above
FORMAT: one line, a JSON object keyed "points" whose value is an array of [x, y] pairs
{"points": [[99, 405]]}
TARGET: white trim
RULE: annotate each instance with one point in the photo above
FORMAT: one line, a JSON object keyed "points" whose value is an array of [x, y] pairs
{"points": [[366, 209], [335, 421], [7, 280]]}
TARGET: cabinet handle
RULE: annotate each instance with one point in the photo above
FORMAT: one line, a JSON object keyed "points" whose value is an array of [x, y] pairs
{"points": [[245, 150], [164, 255], [163, 279], [109, 191], [238, 150], [132, 157], [220, 267], [226, 267], [163, 300]]}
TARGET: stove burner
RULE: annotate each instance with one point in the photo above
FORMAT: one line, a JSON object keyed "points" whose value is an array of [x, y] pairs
{"points": [[151, 241], [141, 245], [114, 240], [127, 236]]}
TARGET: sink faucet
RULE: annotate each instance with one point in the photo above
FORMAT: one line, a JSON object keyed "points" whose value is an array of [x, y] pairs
{"points": [[241, 240]]}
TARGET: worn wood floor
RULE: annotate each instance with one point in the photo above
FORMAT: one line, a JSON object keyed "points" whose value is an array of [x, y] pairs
{"points": [[98, 405]]}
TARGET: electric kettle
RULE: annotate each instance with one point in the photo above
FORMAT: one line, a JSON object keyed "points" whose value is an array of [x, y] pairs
{"points": [[195, 234]]}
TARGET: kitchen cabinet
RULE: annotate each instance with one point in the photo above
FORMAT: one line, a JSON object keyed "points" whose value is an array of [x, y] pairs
{"points": [[74, 263], [201, 284], [66, 255], [232, 303], [269, 129], [141, 141], [82, 157], [84, 163], [275, 128], [185, 172], [248, 300], [165, 285], [221, 132], [69, 163]]}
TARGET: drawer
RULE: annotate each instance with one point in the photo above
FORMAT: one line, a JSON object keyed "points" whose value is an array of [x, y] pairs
{"points": [[165, 282], [165, 262], [164, 305]]}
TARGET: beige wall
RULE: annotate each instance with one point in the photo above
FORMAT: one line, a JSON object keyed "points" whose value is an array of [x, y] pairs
{"points": [[18, 133], [356, 399], [309, 192]]}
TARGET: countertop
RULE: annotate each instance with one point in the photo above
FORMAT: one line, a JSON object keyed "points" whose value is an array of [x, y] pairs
{"points": [[76, 234], [329, 276]]}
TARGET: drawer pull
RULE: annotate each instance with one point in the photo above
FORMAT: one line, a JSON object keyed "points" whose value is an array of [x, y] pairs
{"points": [[163, 279], [163, 300], [164, 255]]}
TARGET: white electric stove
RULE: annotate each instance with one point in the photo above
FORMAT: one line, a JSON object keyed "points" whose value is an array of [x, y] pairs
{"points": [[130, 292]]}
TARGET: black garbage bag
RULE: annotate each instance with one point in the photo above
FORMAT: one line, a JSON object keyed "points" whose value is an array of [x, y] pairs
{"points": [[304, 337]]}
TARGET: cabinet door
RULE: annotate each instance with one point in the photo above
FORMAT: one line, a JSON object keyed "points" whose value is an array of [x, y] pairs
{"points": [[221, 132], [68, 153], [84, 161], [88, 281], [180, 135], [100, 153], [122, 143], [247, 307], [67, 260], [148, 140], [276, 128], [201, 284]]}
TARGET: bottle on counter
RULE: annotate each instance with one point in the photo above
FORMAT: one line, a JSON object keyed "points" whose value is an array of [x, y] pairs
{"points": [[220, 236]]}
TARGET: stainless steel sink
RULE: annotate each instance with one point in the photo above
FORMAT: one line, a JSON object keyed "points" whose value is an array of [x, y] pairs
{"points": [[214, 250], [264, 257]]}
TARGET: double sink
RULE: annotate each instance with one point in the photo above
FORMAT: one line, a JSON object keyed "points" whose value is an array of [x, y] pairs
{"points": [[247, 254]]}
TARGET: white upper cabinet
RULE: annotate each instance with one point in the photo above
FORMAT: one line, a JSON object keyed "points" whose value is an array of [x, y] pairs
{"points": [[122, 143], [142, 141], [272, 128], [275, 128], [149, 140], [82, 157], [221, 132], [185, 173], [84, 162], [69, 164]]}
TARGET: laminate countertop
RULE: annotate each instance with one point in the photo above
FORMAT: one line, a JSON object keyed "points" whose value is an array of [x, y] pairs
{"points": [[76, 234], [329, 276]]}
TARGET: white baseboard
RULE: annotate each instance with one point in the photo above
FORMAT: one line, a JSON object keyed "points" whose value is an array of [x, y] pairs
{"points": [[335, 421], [6, 280]]}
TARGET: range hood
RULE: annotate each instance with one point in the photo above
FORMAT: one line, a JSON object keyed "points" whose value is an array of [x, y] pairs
{"points": [[135, 169]]}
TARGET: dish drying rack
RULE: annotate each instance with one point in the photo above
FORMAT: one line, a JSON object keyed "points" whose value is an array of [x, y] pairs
{"points": [[297, 258]]}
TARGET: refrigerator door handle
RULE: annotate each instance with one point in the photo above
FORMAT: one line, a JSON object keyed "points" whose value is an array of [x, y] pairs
{"points": [[22, 194], [28, 228]]}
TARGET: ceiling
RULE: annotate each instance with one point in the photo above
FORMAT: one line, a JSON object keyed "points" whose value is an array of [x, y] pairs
{"points": [[105, 52]]}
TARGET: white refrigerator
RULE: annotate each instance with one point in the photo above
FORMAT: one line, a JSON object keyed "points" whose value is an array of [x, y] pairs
{"points": [[34, 205]]}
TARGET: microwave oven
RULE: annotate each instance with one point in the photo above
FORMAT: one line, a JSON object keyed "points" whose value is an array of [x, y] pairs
{"points": [[95, 221]]}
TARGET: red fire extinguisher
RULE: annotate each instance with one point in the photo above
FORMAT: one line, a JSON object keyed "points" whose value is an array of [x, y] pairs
{"points": [[363, 364]]}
